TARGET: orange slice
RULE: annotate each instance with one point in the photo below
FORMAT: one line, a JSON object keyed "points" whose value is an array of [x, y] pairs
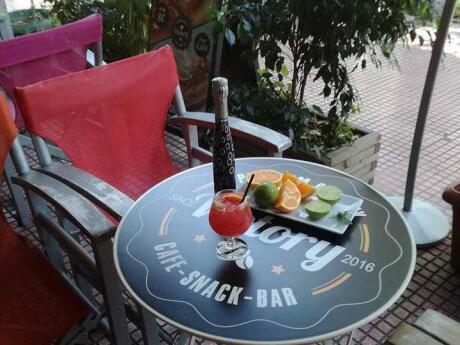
{"points": [[288, 176], [289, 197], [265, 175], [305, 188]]}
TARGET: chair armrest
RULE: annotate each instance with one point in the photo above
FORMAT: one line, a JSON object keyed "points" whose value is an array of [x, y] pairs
{"points": [[255, 134], [75, 207], [452, 194], [99, 192]]}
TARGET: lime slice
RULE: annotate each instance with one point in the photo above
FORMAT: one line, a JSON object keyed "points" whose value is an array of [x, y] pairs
{"points": [[330, 194], [266, 194], [317, 209]]}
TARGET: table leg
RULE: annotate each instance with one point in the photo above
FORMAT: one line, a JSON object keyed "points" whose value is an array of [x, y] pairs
{"points": [[149, 327]]}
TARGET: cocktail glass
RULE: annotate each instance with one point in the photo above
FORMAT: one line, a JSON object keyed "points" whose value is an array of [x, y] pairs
{"points": [[229, 217]]}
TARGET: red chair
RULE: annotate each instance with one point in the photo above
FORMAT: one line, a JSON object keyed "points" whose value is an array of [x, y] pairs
{"points": [[47, 54], [37, 305], [110, 121]]}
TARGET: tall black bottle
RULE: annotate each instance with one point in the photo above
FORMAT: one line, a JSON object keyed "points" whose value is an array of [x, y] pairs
{"points": [[223, 152]]}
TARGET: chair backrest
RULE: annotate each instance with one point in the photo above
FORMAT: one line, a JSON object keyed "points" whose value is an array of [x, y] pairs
{"points": [[109, 120], [47, 54]]}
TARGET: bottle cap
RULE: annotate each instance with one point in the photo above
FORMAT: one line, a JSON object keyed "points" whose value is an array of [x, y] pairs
{"points": [[220, 87]]}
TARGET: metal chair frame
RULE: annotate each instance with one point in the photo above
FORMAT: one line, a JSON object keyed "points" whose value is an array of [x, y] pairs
{"points": [[75, 213], [41, 191], [6, 30]]}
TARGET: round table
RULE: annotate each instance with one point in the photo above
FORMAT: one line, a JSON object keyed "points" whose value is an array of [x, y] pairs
{"points": [[298, 285]]}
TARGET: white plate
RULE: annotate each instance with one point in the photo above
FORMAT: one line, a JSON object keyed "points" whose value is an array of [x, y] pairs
{"points": [[329, 223]]}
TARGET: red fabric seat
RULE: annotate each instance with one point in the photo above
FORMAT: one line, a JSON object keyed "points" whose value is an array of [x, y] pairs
{"points": [[46, 54], [109, 120], [36, 304]]}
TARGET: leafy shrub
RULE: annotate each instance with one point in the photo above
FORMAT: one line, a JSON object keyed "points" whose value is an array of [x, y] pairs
{"points": [[457, 11], [31, 20], [326, 41], [269, 104], [126, 30]]}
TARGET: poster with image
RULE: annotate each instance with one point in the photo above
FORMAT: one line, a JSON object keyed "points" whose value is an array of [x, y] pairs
{"points": [[183, 25]]}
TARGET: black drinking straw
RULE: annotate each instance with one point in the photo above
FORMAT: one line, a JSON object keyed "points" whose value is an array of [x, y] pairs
{"points": [[247, 189]]}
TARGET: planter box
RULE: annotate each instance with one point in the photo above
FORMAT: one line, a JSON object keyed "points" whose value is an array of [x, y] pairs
{"points": [[358, 159]]}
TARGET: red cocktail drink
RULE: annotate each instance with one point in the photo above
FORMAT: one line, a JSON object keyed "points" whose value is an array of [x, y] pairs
{"points": [[230, 217]]}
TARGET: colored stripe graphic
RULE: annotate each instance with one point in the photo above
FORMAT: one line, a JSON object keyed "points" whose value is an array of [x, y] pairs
{"points": [[365, 238], [203, 187], [165, 222], [332, 284]]}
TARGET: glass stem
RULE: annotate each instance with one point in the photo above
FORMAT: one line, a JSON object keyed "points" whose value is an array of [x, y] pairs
{"points": [[230, 242]]}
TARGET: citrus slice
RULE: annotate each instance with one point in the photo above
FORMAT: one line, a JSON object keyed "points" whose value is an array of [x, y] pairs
{"points": [[289, 197], [266, 194], [265, 175], [288, 176], [305, 188], [330, 194], [317, 209]]}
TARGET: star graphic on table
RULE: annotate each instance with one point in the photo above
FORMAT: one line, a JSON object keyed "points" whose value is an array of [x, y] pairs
{"points": [[199, 238], [278, 269]]}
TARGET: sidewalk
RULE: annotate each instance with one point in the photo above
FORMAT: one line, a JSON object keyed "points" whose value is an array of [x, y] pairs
{"points": [[390, 97]]}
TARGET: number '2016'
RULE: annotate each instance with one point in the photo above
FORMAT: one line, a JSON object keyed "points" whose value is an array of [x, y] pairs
{"points": [[355, 261]]}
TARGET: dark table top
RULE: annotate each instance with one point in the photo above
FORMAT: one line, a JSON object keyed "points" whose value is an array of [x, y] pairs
{"points": [[298, 284]]}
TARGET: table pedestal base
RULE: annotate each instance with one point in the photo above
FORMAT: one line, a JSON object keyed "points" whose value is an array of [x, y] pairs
{"points": [[427, 223]]}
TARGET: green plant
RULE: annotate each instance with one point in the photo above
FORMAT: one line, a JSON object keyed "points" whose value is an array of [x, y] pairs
{"points": [[324, 40], [126, 30], [32, 20], [270, 105], [457, 10]]}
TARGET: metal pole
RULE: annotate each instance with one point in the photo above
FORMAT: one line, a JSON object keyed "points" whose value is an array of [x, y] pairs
{"points": [[446, 17], [6, 31]]}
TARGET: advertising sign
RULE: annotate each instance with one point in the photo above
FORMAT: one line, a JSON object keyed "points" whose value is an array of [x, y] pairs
{"points": [[183, 24]]}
